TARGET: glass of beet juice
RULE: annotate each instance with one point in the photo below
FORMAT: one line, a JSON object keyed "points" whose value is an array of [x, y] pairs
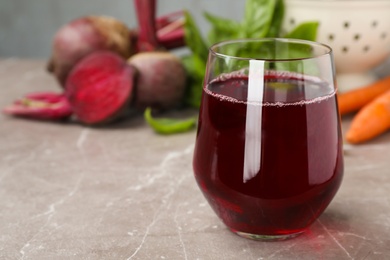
{"points": [[268, 154]]}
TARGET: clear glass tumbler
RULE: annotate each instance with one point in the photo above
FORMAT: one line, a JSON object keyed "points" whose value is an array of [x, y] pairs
{"points": [[268, 154]]}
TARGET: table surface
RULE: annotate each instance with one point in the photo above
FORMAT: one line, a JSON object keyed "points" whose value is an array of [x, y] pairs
{"points": [[123, 192]]}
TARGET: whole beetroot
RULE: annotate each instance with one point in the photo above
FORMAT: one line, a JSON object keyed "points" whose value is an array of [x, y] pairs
{"points": [[161, 79], [85, 35], [100, 87]]}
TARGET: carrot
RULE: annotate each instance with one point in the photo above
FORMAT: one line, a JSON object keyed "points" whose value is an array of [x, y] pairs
{"points": [[371, 121], [353, 100]]}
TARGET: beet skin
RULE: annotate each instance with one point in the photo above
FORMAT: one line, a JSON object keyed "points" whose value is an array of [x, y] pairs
{"points": [[161, 80]]}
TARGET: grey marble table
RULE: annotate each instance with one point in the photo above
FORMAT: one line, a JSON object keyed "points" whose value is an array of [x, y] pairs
{"points": [[123, 192]]}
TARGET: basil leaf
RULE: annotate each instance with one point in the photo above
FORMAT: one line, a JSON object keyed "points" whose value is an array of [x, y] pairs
{"points": [[257, 19], [195, 68], [168, 125], [193, 37], [277, 19], [304, 31], [221, 28]]}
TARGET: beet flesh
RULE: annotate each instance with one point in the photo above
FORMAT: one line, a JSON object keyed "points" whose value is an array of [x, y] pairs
{"points": [[161, 80], [85, 35], [100, 87], [42, 105]]}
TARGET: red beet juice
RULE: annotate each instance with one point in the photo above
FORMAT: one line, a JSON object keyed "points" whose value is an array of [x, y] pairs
{"points": [[301, 163]]}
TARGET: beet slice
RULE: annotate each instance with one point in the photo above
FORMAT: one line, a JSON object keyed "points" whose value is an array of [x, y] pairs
{"points": [[42, 105], [100, 87]]}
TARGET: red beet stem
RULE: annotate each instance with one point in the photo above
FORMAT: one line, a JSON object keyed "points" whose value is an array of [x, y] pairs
{"points": [[167, 19], [170, 31], [146, 13], [173, 39], [177, 24]]}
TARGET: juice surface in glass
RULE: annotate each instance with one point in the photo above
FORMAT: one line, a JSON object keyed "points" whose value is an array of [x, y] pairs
{"points": [[301, 163]]}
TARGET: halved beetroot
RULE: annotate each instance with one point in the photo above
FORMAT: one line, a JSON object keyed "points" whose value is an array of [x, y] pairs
{"points": [[100, 87], [85, 35]]}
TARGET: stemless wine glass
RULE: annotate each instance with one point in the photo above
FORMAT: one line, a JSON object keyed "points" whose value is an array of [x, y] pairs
{"points": [[268, 154]]}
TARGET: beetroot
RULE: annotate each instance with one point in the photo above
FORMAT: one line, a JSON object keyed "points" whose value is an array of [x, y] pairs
{"points": [[99, 87], [42, 105], [162, 76], [85, 35], [89, 60], [161, 79]]}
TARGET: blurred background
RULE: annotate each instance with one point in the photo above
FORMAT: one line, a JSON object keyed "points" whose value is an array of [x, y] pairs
{"points": [[27, 27]]}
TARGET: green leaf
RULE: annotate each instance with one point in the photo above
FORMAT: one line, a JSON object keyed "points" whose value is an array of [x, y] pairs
{"points": [[195, 68], [193, 37], [277, 19], [258, 18], [221, 28], [194, 65], [304, 31], [168, 126]]}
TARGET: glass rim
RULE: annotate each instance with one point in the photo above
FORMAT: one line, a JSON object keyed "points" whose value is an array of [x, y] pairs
{"points": [[329, 50]]}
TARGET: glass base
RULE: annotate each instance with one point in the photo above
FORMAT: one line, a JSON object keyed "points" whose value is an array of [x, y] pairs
{"points": [[266, 237]]}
